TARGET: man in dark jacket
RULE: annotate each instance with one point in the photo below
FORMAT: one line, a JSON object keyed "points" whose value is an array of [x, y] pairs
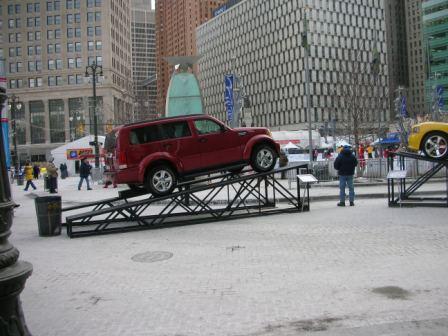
{"points": [[84, 172], [345, 164]]}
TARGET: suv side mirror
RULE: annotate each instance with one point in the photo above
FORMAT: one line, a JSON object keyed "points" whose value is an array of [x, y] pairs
{"points": [[223, 129]]}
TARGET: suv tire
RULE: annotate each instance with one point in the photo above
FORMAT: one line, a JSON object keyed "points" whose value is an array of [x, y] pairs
{"points": [[160, 180], [434, 145], [263, 158]]}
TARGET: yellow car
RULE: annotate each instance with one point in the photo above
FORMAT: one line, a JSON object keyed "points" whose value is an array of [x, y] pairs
{"points": [[431, 138]]}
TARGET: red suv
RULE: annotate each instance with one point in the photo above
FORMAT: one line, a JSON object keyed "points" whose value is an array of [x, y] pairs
{"points": [[158, 153]]}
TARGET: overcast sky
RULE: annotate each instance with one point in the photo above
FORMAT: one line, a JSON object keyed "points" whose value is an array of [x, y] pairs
{"points": [[153, 4]]}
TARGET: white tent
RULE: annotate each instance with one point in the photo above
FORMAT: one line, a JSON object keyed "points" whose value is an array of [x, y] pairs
{"points": [[74, 149]]}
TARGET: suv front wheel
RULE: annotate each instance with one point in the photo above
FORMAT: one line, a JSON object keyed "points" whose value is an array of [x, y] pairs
{"points": [[263, 158], [160, 180]]}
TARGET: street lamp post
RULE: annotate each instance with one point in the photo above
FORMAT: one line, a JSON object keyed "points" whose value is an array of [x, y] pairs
{"points": [[93, 70], [13, 273], [14, 106], [306, 46]]}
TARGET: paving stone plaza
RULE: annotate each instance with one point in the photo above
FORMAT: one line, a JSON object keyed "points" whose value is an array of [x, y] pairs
{"points": [[363, 270]]}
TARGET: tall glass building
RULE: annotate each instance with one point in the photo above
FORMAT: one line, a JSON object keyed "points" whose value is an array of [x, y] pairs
{"points": [[262, 43], [435, 32]]}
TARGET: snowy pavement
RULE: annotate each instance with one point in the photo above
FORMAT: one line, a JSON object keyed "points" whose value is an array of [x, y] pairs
{"points": [[363, 270]]}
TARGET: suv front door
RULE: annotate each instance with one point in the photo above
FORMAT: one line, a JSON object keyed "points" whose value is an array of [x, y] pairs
{"points": [[218, 144]]}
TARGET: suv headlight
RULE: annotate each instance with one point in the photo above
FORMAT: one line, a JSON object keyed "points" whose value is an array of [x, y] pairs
{"points": [[269, 133]]}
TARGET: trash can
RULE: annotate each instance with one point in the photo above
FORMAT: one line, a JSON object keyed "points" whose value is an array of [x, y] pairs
{"points": [[20, 179], [49, 215]]}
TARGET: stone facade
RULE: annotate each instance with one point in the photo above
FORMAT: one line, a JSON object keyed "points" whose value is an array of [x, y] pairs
{"points": [[47, 46]]}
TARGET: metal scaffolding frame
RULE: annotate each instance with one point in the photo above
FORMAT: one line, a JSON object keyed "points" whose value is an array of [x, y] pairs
{"points": [[404, 195], [201, 200]]}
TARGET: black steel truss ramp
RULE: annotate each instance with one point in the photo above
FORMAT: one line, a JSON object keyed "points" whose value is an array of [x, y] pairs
{"points": [[404, 196], [215, 198]]}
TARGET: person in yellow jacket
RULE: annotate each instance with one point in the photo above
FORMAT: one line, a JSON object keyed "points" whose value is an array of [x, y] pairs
{"points": [[29, 175]]}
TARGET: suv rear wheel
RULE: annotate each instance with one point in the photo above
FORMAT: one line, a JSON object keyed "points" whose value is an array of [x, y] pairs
{"points": [[435, 145], [160, 180], [263, 158]]}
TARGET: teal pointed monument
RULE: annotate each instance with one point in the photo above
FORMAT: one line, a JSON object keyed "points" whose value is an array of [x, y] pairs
{"points": [[184, 93]]}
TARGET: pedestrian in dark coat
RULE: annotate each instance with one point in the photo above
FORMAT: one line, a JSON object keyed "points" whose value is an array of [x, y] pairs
{"points": [[84, 172], [345, 164]]}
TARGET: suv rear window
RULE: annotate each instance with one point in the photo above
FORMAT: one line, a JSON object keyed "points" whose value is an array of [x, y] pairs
{"points": [[159, 132]]}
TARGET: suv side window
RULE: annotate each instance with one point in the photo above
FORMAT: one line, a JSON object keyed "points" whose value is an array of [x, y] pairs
{"points": [[176, 130], [205, 126], [159, 132]]}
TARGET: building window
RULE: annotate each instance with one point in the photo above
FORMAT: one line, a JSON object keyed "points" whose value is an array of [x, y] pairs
{"points": [[59, 81], [71, 79], [98, 16], [37, 7], [70, 32], [99, 45], [50, 34], [89, 31], [69, 4], [98, 30], [90, 3], [57, 33], [37, 21], [39, 81], [38, 50], [57, 5], [12, 84], [30, 50], [99, 60], [49, 6], [59, 64], [37, 121], [71, 63], [31, 82], [77, 4], [78, 46], [97, 3], [77, 32], [30, 8], [90, 45], [57, 120], [70, 47], [37, 35], [38, 65], [30, 21], [51, 65], [78, 18], [30, 36], [79, 79], [18, 51], [31, 66], [12, 52], [50, 48], [90, 17], [50, 20], [69, 18], [57, 48], [57, 19], [51, 80], [79, 62], [18, 37]]}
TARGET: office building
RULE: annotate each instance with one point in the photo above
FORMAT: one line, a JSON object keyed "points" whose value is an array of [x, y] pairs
{"points": [[416, 66], [143, 59], [262, 43], [435, 33], [396, 48], [176, 22], [47, 46]]}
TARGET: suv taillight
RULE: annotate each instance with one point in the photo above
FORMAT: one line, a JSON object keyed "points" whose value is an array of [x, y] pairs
{"points": [[122, 160]]}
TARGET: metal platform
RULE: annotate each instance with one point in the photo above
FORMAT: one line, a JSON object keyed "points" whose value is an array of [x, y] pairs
{"points": [[214, 198], [404, 195]]}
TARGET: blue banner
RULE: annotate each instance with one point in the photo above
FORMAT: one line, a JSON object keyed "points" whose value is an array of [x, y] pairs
{"points": [[404, 111], [228, 95], [440, 101], [5, 132]]}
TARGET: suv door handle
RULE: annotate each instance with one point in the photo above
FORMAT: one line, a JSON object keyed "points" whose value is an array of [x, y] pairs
{"points": [[203, 140]]}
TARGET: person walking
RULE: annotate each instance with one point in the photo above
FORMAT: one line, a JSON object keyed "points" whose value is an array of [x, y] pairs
{"points": [[345, 164], [29, 175], [36, 171], [84, 172], [52, 171]]}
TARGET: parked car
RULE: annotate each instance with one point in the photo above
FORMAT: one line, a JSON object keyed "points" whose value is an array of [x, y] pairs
{"points": [[431, 138], [158, 153]]}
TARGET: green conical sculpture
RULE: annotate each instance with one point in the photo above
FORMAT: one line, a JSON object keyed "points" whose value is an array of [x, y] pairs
{"points": [[184, 93]]}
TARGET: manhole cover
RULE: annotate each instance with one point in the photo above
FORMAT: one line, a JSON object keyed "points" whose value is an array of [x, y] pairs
{"points": [[153, 256]]}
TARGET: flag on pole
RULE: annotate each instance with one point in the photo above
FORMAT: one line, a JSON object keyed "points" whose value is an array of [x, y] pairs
{"points": [[228, 95], [404, 110]]}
